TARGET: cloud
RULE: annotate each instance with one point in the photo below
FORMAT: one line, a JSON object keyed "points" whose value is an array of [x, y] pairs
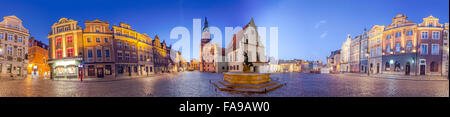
{"points": [[318, 24], [323, 35]]}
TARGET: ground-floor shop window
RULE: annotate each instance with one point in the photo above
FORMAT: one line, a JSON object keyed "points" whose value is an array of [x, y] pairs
{"points": [[120, 69], [59, 71], [135, 69], [71, 70], [8, 68], [388, 66], [108, 69], [91, 70]]}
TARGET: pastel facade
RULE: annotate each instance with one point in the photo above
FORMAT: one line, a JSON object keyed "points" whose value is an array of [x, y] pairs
{"points": [[355, 48], [99, 51], [345, 55], [13, 47], [375, 49], [66, 49]]}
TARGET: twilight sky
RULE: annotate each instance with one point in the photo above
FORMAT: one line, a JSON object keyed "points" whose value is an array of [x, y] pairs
{"points": [[307, 29]]}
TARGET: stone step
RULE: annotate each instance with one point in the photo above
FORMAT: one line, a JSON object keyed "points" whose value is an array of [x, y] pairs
{"points": [[259, 90], [247, 86]]}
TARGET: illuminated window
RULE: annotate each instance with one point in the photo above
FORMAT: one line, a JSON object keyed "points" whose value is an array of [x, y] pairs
{"points": [[435, 35], [424, 35], [58, 42], [424, 49], [108, 70], [70, 52], [69, 39], [59, 54]]}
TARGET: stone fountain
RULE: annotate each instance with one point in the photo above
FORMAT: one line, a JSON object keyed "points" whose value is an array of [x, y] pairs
{"points": [[247, 81]]}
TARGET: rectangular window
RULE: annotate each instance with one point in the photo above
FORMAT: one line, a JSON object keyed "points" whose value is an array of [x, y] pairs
{"points": [[2, 36], [397, 47], [409, 33], [58, 42], [388, 49], [97, 40], [107, 53], [69, 39], [19, 52], [70, 52], [20, 39], [106, 40], [132, 47], [409, 45], [126, 45], [99, 53], [10, 37], [424, 49], [378, 40], [378, 51], [424, 35], [435, 35], [10, 51], [89, 53], [89, 40], [399, 34], [119, 44], [59, 54], [388, 37], [435, 49], [8, 68], [108, 70]]}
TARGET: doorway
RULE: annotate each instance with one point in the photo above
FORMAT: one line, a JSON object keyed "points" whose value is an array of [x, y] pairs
{"points": [[378, 68], [407, 68], [422, 69], [100, 73], [129, 71]]}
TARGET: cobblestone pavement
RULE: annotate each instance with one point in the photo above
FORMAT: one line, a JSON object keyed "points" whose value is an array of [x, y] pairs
{"points": [[197, 84]]}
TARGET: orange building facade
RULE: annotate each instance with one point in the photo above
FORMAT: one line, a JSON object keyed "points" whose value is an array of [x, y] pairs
{"points": [[38, 57]]}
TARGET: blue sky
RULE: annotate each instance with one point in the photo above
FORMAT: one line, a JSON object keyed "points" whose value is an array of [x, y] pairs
{"points": [[308, 29]]}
